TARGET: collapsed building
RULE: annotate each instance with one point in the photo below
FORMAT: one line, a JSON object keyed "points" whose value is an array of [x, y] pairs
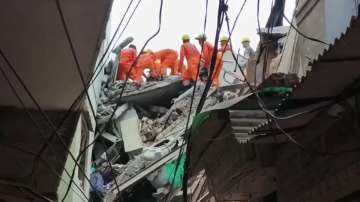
{"points": [[290, 134]]}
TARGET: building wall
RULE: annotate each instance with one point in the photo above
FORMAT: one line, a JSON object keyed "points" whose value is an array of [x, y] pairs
{"points": [[94, 94], [74, 194], [338, 15], [306, 13], [325, 20], [311, 176]]}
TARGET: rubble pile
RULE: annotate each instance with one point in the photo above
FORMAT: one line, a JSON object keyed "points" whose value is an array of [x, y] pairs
{"points": [[174, 120], [115, 90], [160, 135]]}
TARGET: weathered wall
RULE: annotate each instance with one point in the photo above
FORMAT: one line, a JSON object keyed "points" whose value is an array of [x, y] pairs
{"points": [[311, 176], [75, 148], [34, 40], [321, 19], [21, 140], [310, 18], [338, 15]]}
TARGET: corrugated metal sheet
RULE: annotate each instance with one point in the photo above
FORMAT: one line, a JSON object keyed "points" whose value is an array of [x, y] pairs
{"points": [[334, 71]]}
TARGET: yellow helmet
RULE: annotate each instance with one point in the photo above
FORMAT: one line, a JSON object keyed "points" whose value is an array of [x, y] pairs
{"points": [[245, 39], [148, 51], [224, 38], [185, 37], [201, 36]]}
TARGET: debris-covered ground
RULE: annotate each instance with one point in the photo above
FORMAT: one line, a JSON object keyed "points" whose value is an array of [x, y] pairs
{"points": [[153, 131]]}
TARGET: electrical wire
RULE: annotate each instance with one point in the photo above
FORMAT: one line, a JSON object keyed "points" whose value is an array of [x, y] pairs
{"points": [[117, 40], [221, 14], [98, 133], [302, 34], [255, 92], [13, 147], [312, 150], [128, 21], [42, 113], [32, 120], [221, 10], [111, 41], [33, 99], [29, 189], [190, 107], [94, 78], [275, 118], [62, 17]]}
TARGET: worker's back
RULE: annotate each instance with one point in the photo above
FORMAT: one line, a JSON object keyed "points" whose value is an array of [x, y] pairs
{"points": [[207, 53], [145, 60], [166, 53], [128, 55], [189, 51]]}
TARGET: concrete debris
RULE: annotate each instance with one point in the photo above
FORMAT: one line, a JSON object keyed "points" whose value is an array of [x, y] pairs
{"points": [[105, 112], [160, 136], [129, 126], [140, 162]]}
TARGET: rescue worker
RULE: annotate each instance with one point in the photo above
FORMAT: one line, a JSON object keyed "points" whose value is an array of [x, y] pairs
{"points": [[192, 55], [224, 46], [127, 58], [207, 50], [166, 58], [248, 52], [145, 60]]}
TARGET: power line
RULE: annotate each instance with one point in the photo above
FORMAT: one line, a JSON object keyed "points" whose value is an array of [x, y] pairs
{"points": [[221, 14], [58, 6], [98, 73], [30, 117], [254, 91], [190, 108], [98, 133], [274, 118], [49, 122], [23, 186], [13, 147], [302, 34], [111, 40], [118, 38], [220, 17]]}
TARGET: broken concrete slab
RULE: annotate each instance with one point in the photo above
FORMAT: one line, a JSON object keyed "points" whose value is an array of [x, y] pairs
{"points": [[129, 126]]}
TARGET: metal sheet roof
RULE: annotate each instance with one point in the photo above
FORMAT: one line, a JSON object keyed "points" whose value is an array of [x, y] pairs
{"points": [[335, 70]]}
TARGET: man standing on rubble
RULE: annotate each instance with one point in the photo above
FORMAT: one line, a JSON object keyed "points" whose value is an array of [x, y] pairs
{"points": [[192, 55], [166, 58], [207, 50], [224, 46], [145, 60], [248, 52], [127, 58]]}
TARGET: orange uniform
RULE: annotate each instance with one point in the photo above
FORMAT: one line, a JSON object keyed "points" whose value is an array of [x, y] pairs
{"points": [[145, 61], [192, 55], [166, 58], [218, 66], [127, 57], [207, 54]]}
